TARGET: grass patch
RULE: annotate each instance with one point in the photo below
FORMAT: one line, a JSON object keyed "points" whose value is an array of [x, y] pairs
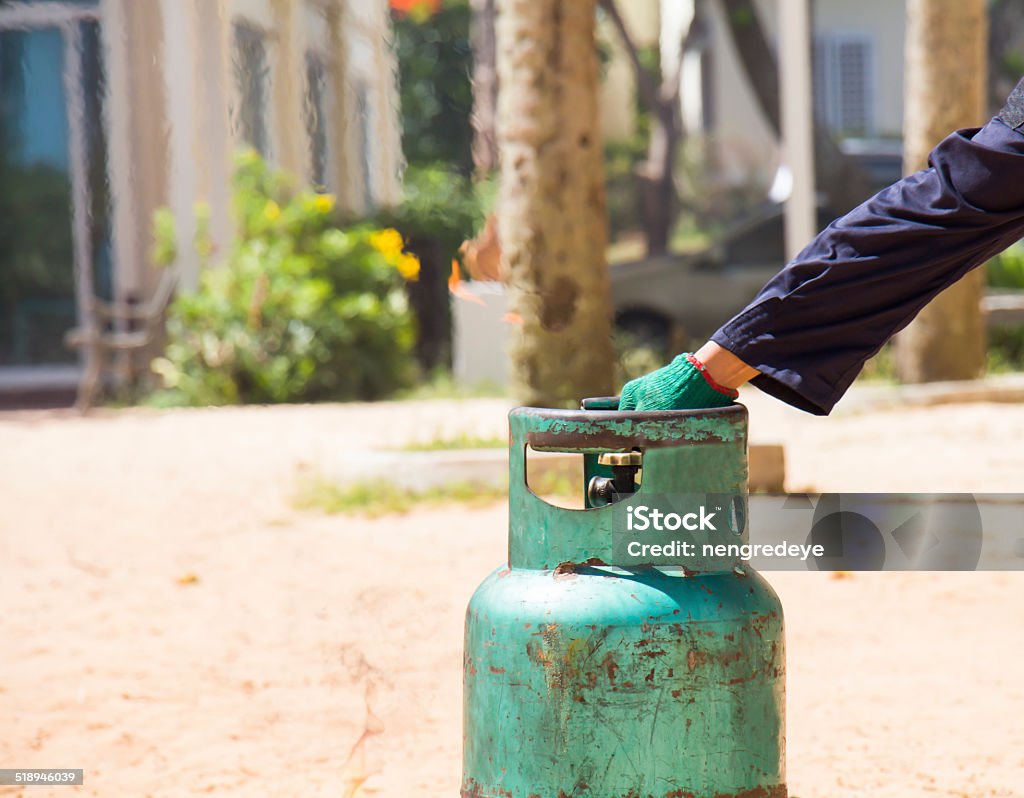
{"points": [[442, 385], [373, 499], [459, 441], [1006, 349], [377, 498]]}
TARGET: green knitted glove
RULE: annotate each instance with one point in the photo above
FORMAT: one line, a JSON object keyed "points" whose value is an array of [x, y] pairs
{"points": [[681, 385]]}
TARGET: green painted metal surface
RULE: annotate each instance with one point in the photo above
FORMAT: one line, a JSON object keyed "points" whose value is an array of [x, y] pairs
{"points": [[583, 678]]}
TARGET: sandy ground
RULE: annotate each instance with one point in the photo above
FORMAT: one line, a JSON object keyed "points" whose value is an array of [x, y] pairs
{"points": [[173, 626]]}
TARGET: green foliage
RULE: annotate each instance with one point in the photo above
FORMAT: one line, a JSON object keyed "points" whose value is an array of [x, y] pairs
{"points": [[881, 367], [1006, 349], [622, 187], [301, 310], [434, 64], [623, 158], [441, 206], [35, 261], [1006, 270], [634, 357], [441, 209], [35, 232], [165, 240], [1006, 343]]}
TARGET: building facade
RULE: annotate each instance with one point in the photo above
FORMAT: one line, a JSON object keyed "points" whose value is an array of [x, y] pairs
{"points": [[110, 109], [858, 77]]}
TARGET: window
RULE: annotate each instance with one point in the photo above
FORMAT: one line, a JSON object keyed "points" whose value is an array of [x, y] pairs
{"points": [[252, 77], [317, 116], [843, 86]]}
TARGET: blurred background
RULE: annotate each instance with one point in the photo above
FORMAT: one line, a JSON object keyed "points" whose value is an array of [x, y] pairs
{"points": [[146, 144]]}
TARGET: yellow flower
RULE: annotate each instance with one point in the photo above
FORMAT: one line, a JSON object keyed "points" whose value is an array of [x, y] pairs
{"points": [[324, 203], [388, 243], [272, 211], [408, 266]]}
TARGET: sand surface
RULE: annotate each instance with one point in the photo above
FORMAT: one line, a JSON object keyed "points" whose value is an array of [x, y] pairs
{"points": [[173, 626]]}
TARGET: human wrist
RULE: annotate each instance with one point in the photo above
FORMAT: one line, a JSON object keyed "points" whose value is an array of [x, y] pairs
{"points": [[723, 367], [711, 382]]}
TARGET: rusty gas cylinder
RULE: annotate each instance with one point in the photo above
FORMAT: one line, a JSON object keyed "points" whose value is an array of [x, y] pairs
{"points": [[590, 673]]}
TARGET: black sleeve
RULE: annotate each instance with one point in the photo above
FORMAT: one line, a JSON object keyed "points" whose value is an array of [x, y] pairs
{"points": [[864, 278]]}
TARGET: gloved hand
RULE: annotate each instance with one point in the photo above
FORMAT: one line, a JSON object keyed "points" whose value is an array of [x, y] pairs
{"points": [[681, 385]]}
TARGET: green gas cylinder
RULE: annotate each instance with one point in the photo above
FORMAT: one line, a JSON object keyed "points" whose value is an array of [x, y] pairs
{"points": [[590, 672]]}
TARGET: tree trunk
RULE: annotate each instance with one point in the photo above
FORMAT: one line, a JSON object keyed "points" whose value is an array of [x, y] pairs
{"points": [[551, 202], [656, 176], [657, 180], [945, 90], [485, 87]]}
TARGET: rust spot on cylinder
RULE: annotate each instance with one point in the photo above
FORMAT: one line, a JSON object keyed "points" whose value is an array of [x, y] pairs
{"points": [[610, 667], [777, 791], [695, 658], [574, 567]]}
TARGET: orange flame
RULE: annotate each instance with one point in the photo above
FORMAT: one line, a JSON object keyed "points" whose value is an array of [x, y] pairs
{"points": [[458, 288]]}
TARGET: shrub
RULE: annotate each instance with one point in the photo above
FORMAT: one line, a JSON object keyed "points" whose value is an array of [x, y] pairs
{"points": [[1006, 270], [301, 309], [441, 205], [1006, 344], [435, 60], [441, 208]]}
